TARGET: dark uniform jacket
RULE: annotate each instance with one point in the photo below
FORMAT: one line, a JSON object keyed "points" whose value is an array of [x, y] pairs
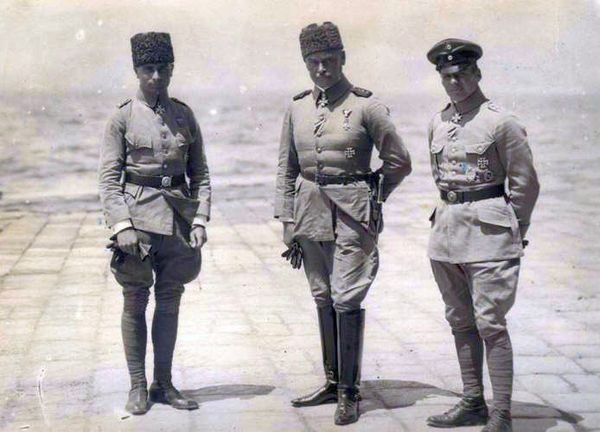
{"points": [[336, 139]]}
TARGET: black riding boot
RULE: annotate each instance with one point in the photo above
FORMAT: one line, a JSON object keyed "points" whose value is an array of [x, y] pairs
{"points": [[327, 392], [133, 329], [164, 335], [350, 327]]}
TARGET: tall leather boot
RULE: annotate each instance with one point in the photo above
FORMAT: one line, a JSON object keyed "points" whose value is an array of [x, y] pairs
{"points": [[164, 335], [328, 330], [351, 326], [134, 332]]}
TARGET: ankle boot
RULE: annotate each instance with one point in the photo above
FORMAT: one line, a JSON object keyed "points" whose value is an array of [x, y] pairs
{"points": [[134, 332], [467, 412], [500, 421], [327, 392], [350, 327]]}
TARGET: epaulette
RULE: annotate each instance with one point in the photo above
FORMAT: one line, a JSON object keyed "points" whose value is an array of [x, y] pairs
{"points": [[361, 92], [179, 102], [446, 107], [125, 102], [493, 107], [302, 94]]}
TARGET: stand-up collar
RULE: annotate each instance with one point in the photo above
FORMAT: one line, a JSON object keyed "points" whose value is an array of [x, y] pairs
{"points": [[470, 103], [163, 98], [335, 92]]}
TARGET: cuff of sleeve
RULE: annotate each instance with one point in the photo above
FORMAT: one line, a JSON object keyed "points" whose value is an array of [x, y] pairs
{"points": [[200, 220], [123, 225]]}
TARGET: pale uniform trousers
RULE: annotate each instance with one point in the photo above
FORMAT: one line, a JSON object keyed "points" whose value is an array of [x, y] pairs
{"points": [[475, 247], [333, 222]]}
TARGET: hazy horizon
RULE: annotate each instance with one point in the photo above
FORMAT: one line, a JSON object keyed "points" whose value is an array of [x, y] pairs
{"points": [[236, 46]]}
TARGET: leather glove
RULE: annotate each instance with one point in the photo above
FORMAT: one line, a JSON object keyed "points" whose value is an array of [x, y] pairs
{"points": [[294, 255]]}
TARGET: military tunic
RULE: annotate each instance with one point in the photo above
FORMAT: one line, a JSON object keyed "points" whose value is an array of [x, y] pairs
{"points": [[167, 142], [333, 222], [475, 246]]}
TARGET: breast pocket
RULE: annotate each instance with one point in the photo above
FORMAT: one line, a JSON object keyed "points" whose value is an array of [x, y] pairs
{"points": [[481, 161], [136, 142]]}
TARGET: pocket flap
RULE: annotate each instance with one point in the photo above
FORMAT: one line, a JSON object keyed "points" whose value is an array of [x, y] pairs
{"points": [[494, 216], [181, 139], [138, 141], [478, 148], [438, 144]]}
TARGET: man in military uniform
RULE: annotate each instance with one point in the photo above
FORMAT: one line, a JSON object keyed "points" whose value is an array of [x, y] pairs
{"points": [[151, 143], [483, 166], [323, 200]]}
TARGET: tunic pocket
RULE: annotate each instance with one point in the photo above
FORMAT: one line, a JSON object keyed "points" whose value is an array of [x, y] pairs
{"points": [[138, 142], [478, 148]]}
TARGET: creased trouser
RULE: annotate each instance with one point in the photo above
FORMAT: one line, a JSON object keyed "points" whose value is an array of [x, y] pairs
{"points": [[171, 264], [477, 295], [340, 272]]}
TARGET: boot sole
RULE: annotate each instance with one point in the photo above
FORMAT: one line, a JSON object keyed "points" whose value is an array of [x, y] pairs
{"points": [[324, 401], [474, 422], [159, 398]]}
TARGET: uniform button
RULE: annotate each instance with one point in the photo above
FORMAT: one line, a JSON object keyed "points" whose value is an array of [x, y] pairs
{"points": [[453, 173], [164, 165], [453, 149], [453, 162], [320, 165], [319, 149], [163, 135], [479, 148]]}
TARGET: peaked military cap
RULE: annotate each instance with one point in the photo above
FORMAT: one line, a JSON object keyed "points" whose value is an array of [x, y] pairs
{"points": [[453, 55], [151, 47], [324, 37]]}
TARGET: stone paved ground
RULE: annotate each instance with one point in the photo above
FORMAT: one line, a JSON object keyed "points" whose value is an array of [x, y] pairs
{"points": [[248, 339]]}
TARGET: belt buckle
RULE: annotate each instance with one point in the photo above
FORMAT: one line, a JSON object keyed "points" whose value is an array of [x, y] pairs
{"points": [[452, 196], [320, 179], [166, 181]]}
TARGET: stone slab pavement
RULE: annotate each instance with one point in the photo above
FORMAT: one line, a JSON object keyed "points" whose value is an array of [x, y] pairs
{"points": [[248, 340]]}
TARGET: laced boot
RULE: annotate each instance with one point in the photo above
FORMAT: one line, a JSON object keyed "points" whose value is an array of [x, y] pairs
{"points": [[467, 412]]}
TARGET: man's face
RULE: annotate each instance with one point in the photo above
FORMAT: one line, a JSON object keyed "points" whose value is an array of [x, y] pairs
{"points": [[325, 67], [460, 85], [154, 77]]}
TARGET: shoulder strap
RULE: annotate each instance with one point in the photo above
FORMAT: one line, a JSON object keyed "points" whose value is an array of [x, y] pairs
{"points": [[302, 94]]}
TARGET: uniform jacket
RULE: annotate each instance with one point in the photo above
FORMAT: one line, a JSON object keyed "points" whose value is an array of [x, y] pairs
{"points": [[138, 140], [488, 146], [336, 139]]}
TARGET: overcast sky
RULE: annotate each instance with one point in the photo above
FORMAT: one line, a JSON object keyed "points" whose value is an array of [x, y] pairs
{"points": [[55, 46]]}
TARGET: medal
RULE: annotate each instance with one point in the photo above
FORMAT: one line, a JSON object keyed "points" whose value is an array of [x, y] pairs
{"points": [[350, 153], [483, 163], [456, 118], [346, 124]]}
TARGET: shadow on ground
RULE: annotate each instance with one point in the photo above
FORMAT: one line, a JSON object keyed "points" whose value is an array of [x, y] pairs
{"points": [[391, 394], [229, 391]]}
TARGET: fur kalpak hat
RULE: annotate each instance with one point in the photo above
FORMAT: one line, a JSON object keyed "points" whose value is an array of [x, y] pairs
{"points": [[324, 37], [151, 47]]}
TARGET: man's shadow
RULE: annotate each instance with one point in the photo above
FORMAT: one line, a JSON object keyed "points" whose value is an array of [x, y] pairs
{"points": [[391, 394], [228, 391]]}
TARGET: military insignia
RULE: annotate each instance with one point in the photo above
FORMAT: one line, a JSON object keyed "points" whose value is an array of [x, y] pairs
{"points": [[302, 94], [483, 163], [450, 57], [451, 132], [361, 92], [456, 118], [346, 124], [350, 153], [488, 176], [319, 124], [448, 46], [492, 106], [180, 121], [125, 102], [159, 109], [323, 102], [471, 175]]}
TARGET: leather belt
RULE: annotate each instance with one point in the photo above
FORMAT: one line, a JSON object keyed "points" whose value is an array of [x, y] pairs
{"points": [[324, 179], [457, 197], [158, 182]]}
